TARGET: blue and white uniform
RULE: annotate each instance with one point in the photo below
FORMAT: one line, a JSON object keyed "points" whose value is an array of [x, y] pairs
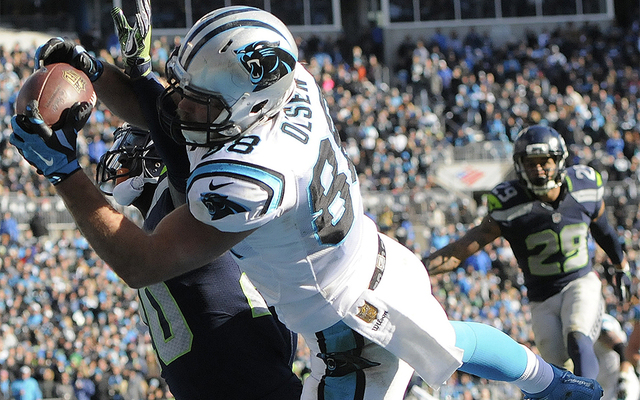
{"points": [[316, 256], [550, 242]]}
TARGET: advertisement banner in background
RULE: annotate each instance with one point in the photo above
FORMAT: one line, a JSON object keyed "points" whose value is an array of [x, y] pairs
{"points": [[471, 177]]}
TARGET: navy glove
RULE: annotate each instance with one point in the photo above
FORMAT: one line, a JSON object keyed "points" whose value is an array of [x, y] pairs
{"points": [[60, 50], [53, 153], [622, 285], [135, 41]]}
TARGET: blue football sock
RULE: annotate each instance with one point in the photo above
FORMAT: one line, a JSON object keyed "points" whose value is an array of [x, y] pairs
{"points": [[489, 353]]}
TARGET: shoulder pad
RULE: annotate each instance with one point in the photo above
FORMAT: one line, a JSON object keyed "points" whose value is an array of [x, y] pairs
{"points": [[506, 194], [584, 174], [234, 196], [509, 200], [584, 183], [492, 202]]}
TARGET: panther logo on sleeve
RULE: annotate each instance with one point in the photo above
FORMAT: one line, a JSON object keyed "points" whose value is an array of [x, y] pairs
{"points": [[220, 206], [266, 62]]}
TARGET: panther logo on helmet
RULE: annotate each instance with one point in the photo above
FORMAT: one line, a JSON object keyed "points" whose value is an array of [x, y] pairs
{"points": [[266, 62]]}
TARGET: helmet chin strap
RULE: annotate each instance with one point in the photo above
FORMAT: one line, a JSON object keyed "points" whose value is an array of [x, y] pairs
{"points": [[546, 182], [543, 190]]}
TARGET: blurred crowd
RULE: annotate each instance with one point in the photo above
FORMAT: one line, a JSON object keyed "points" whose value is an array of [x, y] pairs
{"points": [[70, 323]]}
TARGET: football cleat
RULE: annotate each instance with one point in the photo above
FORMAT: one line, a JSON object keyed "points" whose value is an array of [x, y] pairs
{"points": [[567, 386]]}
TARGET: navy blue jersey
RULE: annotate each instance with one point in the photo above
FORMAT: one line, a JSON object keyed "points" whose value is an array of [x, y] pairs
{"points": [[213, 334], [550, 241]]}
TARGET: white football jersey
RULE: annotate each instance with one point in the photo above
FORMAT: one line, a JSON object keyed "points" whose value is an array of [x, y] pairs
{"points": [[291, 179]]}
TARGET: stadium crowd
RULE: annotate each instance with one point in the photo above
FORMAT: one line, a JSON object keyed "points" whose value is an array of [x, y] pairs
{"points": [[67, 318]]}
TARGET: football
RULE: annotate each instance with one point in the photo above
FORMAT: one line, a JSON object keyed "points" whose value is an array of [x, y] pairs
{"points": [[56, 87]]}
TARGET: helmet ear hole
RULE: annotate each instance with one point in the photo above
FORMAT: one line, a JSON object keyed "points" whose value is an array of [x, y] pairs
{"points": [[258, 106]]}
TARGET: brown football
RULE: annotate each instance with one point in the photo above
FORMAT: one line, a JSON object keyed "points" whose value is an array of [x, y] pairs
{"points": [[56, 87]]}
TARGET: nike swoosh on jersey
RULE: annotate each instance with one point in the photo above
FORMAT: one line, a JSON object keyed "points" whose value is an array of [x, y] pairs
{"points": [[47, 161], [213, 187]]}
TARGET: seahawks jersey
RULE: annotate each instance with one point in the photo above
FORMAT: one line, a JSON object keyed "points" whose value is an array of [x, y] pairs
{"points": [[290, 178], [550, 241], [210, 326]]}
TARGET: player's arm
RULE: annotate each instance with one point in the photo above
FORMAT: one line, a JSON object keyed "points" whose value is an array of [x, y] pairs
{"points": [[607, 239], [115, 87], [147, 89], [115, 90], [179, 244], [452, 255]]}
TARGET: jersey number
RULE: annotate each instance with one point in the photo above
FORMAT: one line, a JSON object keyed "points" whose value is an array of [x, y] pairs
{"points": [[168, 327], [582, 172], [330, 197], [169, 330], [571, 243]]}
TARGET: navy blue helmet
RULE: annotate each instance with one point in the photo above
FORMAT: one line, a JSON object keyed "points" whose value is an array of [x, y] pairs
{"points": [[539, 141]]}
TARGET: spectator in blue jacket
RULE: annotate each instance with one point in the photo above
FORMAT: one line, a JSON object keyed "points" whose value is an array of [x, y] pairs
{"points": [[5, 384], [84, 387], [26, 387], [9, 225]]}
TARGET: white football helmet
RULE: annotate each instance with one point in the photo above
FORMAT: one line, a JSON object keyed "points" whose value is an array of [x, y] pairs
{"points": [[243, 57]]}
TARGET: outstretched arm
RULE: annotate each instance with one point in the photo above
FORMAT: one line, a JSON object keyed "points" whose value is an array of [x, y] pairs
{"points": [[180, 243], [115, 90], [452, 255], [115, 87]]}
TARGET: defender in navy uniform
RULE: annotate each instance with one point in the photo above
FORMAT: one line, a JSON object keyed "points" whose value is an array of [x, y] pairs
{"points": [[546, 216], [212, 332]]}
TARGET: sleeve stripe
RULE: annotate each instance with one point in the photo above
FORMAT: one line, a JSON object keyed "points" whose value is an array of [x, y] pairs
{"points": [[271, 181], [586, 195], [512, 213]]}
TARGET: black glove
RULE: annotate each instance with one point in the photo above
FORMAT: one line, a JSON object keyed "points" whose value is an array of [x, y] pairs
{"points": [[53, 153], [60, 50], [622, 285]]}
